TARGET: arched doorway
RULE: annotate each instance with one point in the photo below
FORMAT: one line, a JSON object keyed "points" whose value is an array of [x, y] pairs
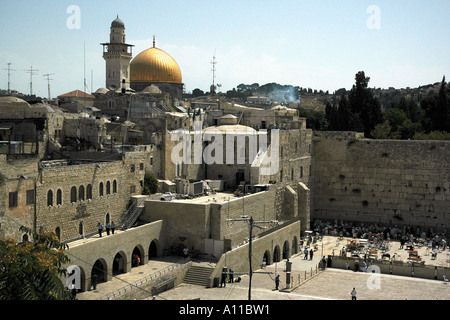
{"points": [[266, 258], [294, 246], [119, 263], [137, 256], [276, 254], [99, 270], [286, 250], [153, 250]]}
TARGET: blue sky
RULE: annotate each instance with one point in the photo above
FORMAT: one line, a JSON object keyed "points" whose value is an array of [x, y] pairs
{"points": [[316, 44]]}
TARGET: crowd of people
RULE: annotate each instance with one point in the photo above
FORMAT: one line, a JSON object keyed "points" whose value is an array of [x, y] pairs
{"points": [[404, 234]]}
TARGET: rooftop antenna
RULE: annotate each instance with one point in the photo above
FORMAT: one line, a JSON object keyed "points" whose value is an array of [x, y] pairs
{"points": [[9, 75], [31, 72], [213, 63], [48, 81]]}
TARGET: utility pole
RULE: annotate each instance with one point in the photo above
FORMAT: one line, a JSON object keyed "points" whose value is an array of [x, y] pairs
{"points": [[48, 81], [31, 72], [9, 75], [251, 224]]}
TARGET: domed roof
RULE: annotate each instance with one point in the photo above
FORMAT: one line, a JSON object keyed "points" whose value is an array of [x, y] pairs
{"points": [[117, 23], [101, 91], [152, 90], [154, 65]]}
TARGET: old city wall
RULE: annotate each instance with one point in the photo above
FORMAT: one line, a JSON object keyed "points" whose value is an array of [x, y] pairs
{"points": [[17, 176], [119, 180], [85, 254], [388, 182], [268, 247]]}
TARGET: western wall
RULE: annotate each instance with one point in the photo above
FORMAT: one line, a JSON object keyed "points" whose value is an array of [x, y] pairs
{"points": [[388, 182]]}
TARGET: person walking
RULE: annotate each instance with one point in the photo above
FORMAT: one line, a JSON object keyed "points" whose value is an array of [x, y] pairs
{"points": [[306, 254], [311, 253], [353, 293], [108, 227], [113, 226], [100, 228], [223, 280], [277, 281], [231, 276], [94, 281]]}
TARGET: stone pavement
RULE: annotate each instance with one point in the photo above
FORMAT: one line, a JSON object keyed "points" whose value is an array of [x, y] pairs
{"points": [[331, 284]]}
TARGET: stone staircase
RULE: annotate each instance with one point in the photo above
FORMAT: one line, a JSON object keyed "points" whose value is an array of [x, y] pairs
{"points": [[198, 275]]}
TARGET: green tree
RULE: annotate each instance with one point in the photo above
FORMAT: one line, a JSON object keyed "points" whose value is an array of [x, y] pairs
{"points": [[32, 270], [382, 131], [441, 113], [365, 108], [150, 183]]}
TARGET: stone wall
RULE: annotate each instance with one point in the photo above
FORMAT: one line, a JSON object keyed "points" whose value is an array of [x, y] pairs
{"points": [[105, 249], [17, 176], [389, 182], [196, 221], [273, 247], [72, 218]]}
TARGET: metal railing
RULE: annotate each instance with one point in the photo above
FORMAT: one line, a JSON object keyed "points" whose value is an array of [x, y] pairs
{"points": [[135, 285]]}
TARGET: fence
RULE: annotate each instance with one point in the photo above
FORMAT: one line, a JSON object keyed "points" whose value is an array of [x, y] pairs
{"points": [[413, 269], [146, 283]]}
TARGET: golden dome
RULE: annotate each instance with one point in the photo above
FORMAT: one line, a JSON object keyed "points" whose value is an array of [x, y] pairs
{"points": [[154, 65]]}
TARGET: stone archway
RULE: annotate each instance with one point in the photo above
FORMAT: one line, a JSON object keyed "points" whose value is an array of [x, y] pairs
{"points": [[266, 258], [137, 256], [119, 263], [286, 252], [99, 270], [294, 245], [153, 249], [276, 254]]}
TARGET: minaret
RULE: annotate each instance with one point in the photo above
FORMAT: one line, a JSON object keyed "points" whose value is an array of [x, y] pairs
{"points": [[117, 54]]}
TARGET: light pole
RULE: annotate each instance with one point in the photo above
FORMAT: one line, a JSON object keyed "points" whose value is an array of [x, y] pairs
{"points": [[252, 224]]}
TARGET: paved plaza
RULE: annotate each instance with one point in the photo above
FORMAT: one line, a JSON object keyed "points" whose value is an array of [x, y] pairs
{"points": [[330, 284]]}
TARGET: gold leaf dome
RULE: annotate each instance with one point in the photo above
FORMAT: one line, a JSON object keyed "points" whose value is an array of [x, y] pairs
{"points": [[154, 65]]}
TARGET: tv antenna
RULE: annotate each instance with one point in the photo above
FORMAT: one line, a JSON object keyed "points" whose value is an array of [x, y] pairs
{"points": [[213, 63], [9, 75], [31, 72], [48, 81]]}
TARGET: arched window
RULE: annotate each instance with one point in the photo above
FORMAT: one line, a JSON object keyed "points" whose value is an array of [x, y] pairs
{"points": [[58, 232], [81, 193], [50, 198], [89, 192], [59, 197], [108, 187], [73, 194], [100, 189], [114, 186], [81, 228]]}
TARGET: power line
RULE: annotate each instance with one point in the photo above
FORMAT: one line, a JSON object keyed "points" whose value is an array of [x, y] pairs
{"points": [[252, 223]]}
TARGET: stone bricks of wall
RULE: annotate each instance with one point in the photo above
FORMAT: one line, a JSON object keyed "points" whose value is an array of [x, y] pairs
{"points": [[194, 222], [382, 181], [18, 176], [119, 179]]}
